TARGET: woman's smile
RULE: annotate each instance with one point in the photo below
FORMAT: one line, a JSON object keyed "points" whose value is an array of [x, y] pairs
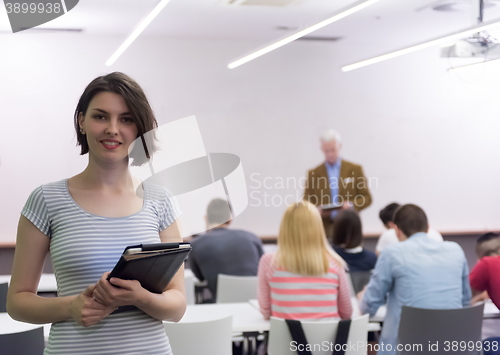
{"points": [[110, 144]]}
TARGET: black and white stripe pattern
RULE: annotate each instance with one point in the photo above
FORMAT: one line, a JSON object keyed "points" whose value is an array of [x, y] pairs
{"points": [[83, 246]]}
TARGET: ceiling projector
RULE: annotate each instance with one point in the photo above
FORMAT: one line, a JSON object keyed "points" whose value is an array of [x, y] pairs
{"points": [[479, 45]]}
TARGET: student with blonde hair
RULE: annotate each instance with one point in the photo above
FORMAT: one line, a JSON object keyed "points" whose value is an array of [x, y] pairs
{"points": [[305, 278]]}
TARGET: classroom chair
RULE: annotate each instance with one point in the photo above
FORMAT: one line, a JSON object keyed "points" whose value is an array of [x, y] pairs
{"points": [[320, 335], [232, 289], [209, 337], [29, 342], [438, 330]]}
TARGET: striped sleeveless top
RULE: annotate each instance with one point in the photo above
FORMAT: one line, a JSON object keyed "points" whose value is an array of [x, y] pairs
{"points": [[283, 294], [83, 246]]}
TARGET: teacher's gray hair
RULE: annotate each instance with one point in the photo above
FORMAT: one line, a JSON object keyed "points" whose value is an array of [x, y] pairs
{"points": [[331, 135]]}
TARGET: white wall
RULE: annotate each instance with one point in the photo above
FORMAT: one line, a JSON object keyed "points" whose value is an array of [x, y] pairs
{"points": [[428, 137]]}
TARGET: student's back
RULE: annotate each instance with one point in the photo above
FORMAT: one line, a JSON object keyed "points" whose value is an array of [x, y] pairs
{"points": [[225, 251], [305, 279], [417, 272], [358, 259], [288, 295], [428, 273], [348, 240]]}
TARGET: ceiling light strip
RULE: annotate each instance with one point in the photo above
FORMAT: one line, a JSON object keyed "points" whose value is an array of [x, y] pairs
{"points": [[349, 11], [451, 37], [137, 31]]}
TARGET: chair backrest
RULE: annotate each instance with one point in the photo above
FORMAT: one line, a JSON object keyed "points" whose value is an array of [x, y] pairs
{"points": [[209, 338], [360, 279], [320, 335], [3, 297], [189, 284], [356, 312], [431, 326], [232, 289], [30, 342]]}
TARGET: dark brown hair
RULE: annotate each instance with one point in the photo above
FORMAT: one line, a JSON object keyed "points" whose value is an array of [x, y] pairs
{"points": [[486, 245], [387, 213], [138, 106], [411, 219], [347, 229]]}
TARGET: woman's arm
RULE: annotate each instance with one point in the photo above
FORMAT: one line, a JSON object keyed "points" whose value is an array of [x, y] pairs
{"points": [[344, 304], [169, 305], [25, 305], [263, 289]]}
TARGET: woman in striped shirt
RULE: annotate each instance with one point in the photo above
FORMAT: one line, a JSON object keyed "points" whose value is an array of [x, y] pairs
{"points": [[86, 221], [305, 279]]}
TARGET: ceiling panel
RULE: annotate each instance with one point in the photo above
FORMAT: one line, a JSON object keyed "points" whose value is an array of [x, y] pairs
{"points": [[390, 23]]}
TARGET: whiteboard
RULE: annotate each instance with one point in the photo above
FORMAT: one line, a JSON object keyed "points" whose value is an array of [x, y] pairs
{"points": [[427, 137]]}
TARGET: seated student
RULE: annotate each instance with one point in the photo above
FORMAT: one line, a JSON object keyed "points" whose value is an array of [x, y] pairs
{"points": [[347, 240], [223, 250], [484, 275], [417, 272], [389, 236], [303, 271], [487, 245]]}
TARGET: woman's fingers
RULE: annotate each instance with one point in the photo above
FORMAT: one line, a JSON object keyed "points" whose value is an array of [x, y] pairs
{"points": [[103, 294], [92, 320], [104, 290], [89, 290], [94, 314], [91, 306], [99, 303], [125, 284]]}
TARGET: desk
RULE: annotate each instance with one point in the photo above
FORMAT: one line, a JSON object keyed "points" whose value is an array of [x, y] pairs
{"points": [[47, 282], [490, 310], [246, 320], [9, 326]]}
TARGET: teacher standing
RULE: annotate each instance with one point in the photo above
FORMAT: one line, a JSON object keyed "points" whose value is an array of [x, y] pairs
{"points": [[336, 181]]}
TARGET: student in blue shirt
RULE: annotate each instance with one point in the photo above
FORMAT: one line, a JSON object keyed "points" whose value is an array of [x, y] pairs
{"points": [[418, 272]]}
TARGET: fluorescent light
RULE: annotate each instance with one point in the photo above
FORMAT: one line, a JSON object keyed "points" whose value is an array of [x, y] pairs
{"points": [[496, 61], [440, 40], [349, 11], [137, 31]]}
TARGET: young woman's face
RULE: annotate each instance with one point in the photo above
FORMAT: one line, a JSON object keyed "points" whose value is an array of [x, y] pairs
{"points": [[108, 126]]}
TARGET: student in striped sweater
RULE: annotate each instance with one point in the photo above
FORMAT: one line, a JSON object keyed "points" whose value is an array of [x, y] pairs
{"points": [[305, 279], [86, 221]]}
